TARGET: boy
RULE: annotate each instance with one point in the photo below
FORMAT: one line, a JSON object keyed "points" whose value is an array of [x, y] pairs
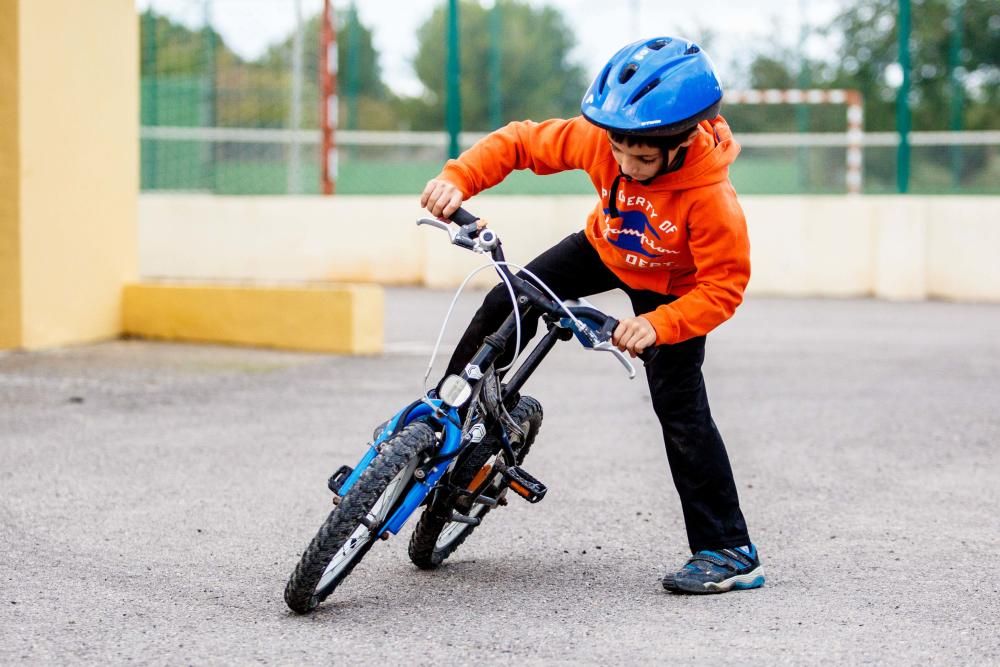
{"points": [[669, 232]]}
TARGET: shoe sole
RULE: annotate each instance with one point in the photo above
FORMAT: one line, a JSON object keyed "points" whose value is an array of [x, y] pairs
{"points": [[741, 582]]}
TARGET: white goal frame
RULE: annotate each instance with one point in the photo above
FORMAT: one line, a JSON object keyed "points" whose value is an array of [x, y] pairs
{"points": [[855, 135]]}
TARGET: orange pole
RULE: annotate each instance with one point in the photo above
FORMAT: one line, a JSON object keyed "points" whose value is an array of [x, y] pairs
{"points": [[328, 67]]}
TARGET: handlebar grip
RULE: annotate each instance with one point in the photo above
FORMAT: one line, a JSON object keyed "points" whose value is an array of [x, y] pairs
{"points": [[608, 329], [646, 355], [462, 217]]}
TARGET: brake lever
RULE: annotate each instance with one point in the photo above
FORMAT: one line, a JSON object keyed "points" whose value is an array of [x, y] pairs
{"points": [[606, 346], [440, 224], [461, 235]]}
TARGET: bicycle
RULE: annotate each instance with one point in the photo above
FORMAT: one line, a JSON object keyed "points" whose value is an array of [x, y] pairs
{"points": [[457, 450]]}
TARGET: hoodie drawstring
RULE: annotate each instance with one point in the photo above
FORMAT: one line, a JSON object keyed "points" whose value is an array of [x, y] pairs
{"points": [[613, 196], [674, 165]]}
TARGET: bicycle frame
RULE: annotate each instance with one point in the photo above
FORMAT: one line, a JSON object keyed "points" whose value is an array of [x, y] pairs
{"points": [[456, 450], [447, 418], [589, 325]]}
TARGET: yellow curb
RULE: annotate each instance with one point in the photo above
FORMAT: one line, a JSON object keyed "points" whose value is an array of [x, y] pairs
{"points": [[344, 319]]}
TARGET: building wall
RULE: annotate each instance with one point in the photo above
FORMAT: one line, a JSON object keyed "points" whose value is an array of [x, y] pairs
{"points": [[10, 157], [73, 159], [888, 247]]}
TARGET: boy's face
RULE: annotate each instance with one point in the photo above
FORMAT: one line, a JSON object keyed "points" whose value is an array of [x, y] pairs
{"points": [[642, 162], [639, 162]]}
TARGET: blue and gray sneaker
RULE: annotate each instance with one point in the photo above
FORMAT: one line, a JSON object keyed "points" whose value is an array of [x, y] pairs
{"points": [[718, 571]]}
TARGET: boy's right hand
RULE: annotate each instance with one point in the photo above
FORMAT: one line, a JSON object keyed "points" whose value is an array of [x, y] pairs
{"points": [[441, 198]]}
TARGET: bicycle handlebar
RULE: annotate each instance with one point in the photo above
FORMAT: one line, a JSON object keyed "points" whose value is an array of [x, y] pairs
{"points": [[601, 337], [470, 236], [463, 218]]}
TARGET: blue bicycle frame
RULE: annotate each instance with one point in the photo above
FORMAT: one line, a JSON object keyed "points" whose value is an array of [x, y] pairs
{"points": [[591, 327], [484, 436], [421, 488]]}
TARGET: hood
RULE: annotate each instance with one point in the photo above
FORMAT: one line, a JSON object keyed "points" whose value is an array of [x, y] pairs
{"points": [[708, 158]]}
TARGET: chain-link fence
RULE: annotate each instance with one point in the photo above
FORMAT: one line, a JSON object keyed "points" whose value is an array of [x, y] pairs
{"points": [[220, 118]]}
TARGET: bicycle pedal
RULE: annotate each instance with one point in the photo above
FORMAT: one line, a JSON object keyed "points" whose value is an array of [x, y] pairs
{"points": [[524, 485]]}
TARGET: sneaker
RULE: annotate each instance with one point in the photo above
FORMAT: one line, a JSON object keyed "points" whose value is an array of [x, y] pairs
{"points": [[718, 571]]}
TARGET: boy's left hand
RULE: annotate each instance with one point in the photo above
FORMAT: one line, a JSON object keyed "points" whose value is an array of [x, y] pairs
{"points": [[633, 335], [441, 198]]}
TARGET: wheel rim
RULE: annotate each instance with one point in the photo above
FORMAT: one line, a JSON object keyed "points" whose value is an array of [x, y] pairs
{"points": [[455, 529], [361, 535]]}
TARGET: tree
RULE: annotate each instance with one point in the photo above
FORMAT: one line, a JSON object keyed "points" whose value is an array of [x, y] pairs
{"points": [[869, 56], [172, 49], [361, 77], [866, 59], [369, 77], [780, 70], [869, 51], [537, 79], [178, 68]]}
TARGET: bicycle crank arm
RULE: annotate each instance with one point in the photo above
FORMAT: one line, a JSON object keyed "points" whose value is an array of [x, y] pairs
{"points": [[462, 518]]}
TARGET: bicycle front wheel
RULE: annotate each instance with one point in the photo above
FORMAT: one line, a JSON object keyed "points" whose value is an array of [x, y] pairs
{"points": [[436, 536], [354, 525]]}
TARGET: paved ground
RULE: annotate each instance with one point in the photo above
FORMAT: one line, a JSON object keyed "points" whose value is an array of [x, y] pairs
{"points": [[154, 498]]}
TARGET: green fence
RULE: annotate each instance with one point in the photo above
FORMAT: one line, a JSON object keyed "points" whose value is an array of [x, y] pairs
{"points": [[240, 168], [246, 166]]}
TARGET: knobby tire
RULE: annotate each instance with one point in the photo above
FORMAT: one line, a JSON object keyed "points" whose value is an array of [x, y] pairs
{"points": [[301, 592]]}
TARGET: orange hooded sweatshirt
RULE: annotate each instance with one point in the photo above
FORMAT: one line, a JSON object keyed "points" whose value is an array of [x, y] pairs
{"points": [[683, 233]]}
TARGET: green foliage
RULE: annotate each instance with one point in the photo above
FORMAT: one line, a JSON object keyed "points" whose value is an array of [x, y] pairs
{"points": [[190, 77], [359, 72], [866, 32], [782, 70], [173, 49], [359, 79], [870, 46], [537, 80], [185, 70]]}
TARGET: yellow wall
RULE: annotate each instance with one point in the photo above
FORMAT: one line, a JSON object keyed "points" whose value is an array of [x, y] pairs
{"points": [[76, 170], [10, 237], [344, 319]]}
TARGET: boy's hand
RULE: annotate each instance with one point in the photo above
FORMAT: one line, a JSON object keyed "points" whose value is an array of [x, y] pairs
{"points": [[441, 198], [633, 335]]}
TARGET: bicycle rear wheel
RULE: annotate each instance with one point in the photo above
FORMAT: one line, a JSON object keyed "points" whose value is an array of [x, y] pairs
{"points": [[351, 529], [436, 536]]}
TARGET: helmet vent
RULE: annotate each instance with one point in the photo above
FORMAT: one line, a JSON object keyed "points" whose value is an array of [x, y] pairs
{"points": [[604, 80], [692, 49], [628, 72], [657, 45], [645, 89]]}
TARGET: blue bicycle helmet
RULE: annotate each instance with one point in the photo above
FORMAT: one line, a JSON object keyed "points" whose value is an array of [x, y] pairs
{"points": [[654, 87]]}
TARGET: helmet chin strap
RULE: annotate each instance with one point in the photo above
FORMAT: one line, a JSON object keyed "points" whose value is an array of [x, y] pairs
{"points": [[665, 168], [674, 164]]}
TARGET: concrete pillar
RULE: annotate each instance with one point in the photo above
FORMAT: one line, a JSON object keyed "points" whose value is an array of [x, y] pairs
{"points": [[69, 168]]}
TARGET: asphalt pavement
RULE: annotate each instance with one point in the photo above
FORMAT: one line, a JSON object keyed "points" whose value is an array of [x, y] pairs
{"points": [[155, 497]]}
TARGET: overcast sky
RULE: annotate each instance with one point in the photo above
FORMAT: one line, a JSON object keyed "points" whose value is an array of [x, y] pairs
{"points": [[601, 26]]}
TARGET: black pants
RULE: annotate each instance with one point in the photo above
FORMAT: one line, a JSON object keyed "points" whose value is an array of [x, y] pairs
{"points": [[695, 451]]}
